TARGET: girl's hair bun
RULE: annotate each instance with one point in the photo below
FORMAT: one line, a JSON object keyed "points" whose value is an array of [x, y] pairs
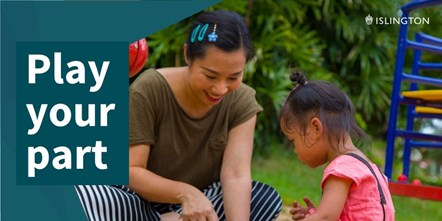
{"points": [[298, 77]]}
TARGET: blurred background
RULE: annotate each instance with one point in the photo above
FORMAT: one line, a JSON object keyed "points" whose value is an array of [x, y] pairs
{"points": [[328, 40]]}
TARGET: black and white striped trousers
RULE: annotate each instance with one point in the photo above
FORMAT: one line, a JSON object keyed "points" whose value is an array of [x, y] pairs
{"points": [[119, 203]]}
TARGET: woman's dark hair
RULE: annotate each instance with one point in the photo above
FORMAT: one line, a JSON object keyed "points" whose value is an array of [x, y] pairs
{"points": [[231, 30], [320, 99]]}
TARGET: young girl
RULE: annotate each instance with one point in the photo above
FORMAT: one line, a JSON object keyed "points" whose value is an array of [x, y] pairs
{"points": [[319, 120]]}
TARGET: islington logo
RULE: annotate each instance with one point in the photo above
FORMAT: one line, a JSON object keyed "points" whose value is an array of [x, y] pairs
{"points": [[369, 20]]}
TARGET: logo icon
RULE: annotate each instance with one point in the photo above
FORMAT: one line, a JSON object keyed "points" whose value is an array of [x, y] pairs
{"points": [[369, 19]]}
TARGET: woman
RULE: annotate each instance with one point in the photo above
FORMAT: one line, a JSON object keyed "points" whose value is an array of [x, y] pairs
{"points": [[191, 136]]}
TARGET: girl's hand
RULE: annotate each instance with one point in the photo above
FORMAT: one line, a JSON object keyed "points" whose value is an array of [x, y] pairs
{"points": [[300, 212], [197, 207]]}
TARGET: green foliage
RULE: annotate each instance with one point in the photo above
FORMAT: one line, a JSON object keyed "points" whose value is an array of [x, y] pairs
{"points": [[166, 46], [280, 45], [359, 54], [328, 40]]}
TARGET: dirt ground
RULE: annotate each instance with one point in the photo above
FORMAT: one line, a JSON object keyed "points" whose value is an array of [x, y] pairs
{"points": [[284, 215]]}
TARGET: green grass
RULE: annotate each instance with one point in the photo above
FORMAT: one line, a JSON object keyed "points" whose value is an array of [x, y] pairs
{"points": [[293, 180]]}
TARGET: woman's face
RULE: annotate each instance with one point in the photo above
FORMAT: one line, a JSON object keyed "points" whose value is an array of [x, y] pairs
{"points": [[216, 74]]}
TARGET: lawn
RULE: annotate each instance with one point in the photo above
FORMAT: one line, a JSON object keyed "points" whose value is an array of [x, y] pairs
{"points": [[293, 180]]}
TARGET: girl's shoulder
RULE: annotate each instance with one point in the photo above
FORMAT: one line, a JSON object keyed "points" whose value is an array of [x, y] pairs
{"points": [[348, 167]]}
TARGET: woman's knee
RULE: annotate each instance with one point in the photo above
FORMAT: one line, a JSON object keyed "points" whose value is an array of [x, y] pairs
{"points": [[266, 201], [104, 202]]}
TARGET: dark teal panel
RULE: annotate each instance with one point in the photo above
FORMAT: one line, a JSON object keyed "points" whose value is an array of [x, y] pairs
{"points": [[72, 108], [74, 21], [96, 20]]}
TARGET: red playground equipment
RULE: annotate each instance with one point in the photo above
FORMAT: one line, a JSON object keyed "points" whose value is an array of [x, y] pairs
{"points": [[423, 100]]}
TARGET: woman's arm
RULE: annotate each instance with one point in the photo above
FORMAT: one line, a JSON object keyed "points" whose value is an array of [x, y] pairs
{"points": [[333, 199], [154, 188], [147, 184], [236, 179]]}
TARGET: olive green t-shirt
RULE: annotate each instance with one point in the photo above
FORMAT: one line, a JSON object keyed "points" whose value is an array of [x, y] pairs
{"points": [[184, 148]]}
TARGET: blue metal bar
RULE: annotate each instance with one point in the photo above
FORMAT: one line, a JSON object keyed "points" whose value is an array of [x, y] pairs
{"points": [[410, 110], [395, 97], [424, 47], [430, 39], [422, 80], [430, 66], [419, 136], [419, 102], [419, 115], [406, 159], [418, 144], [413, 5]]}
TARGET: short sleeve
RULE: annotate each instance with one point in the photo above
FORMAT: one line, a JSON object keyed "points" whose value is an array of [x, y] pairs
{"points": [[345, 167], [244, 106], [142, 109]]}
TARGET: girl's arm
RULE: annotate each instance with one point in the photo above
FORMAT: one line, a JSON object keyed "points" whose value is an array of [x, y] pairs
{"points": [[236, 178], [333, 199]]}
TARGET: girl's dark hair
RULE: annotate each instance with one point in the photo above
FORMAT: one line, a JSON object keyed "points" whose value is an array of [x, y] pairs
{"points": [[320, 99], [231, 30]]}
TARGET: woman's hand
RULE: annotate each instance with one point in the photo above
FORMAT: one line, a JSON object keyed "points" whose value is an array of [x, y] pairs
{"points": [[197, 207], [300, 212]]}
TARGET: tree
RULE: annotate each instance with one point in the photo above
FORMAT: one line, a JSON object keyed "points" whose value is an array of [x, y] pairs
{"points": [[328, 40]]}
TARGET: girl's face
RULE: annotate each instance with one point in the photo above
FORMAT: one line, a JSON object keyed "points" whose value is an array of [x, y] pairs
{"points": [[309, 147], [216, 74]]}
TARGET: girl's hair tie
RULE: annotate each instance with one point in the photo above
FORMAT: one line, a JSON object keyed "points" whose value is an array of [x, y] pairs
{"points": [[298, 78]]}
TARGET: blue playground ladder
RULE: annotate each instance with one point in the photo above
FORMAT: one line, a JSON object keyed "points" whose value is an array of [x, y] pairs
{"points": [[424, 96]]}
